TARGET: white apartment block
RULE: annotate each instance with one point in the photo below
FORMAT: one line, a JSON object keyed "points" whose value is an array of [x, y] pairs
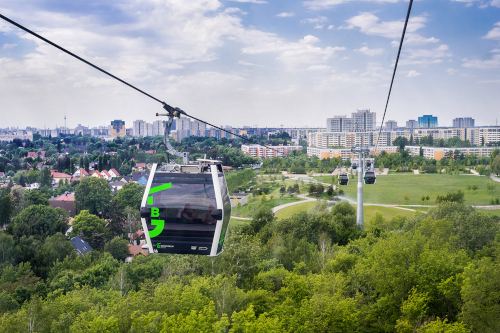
{"points": [[182, 124], [477, 134], [438, 153], [364, 120], [158, 128], [268, 151], [360, 121], [339, 124], [139, 128], [390, 124], [198, 126], [345, 154], [412, 124], [463, 122]]}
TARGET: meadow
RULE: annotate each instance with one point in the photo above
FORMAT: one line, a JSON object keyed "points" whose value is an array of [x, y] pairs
{"points": [[391, 189]]}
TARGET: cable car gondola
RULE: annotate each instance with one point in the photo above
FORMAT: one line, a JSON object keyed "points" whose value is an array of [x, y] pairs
{"points": [[186, 208], [370, 177], [343, 179]]}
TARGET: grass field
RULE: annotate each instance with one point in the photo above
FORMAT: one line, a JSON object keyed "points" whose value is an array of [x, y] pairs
{"points": [[369, 211], [289, 211], [250, 208], [390, 189]]}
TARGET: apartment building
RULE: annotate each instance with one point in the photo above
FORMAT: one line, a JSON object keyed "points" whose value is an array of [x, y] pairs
{"points": [[269, 151]]}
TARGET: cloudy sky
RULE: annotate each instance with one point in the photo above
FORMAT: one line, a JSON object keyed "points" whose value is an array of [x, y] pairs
{"points": [[249, 62]]}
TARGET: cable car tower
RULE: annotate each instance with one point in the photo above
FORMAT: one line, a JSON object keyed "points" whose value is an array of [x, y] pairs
{"points": [[361, 151]]}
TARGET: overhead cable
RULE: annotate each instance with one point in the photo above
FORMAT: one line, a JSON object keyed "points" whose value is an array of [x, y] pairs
{"points": [[394, 72], [122, 81]]}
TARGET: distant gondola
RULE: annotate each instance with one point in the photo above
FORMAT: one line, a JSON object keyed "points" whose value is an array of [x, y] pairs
{"points": [[343, 179], [370, 177]]}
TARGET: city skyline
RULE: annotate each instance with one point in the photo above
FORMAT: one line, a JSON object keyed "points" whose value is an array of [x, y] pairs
{"points": [[246, 62]]}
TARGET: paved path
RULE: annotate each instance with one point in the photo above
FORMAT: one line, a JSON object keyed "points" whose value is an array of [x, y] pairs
{"points": [[303, 196], [416, 172], [495, 178], [474, 172]]}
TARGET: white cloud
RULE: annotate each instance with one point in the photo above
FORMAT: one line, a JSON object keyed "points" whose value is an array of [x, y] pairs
{"points": [[369, 24], [246, 63], [494, 62], [250, 1], [494, 33], [309, 39], [323, 4], [415, 39], [370, 52], [495, 51], [319, 68], [467, 1], [8, 46], [489, 81], [440, 52], [495, 3], [331, 26], [451, 71], [285, 14], [315, 20], [413, 73]]}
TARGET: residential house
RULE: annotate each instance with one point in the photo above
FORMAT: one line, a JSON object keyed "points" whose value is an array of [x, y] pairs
{"points": [[81, 246], [65, 201], [80, 173], [32, 154], [140, 177], [140, 166], [58, 176], [134, 251], [126, 179], [106, 175], [138, 238], [96, 173], [39, 166], [117, 185], [2, 174], [114, 173]]}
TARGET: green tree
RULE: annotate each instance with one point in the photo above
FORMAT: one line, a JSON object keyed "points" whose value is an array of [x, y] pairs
{"points": [[45, 177], [6, 210], [130, 195], [118, 247], [125, 170], [495, 165], [6, 248], [93, 194], [34, 197], [39, 221], [87, 225], [480, 293]]}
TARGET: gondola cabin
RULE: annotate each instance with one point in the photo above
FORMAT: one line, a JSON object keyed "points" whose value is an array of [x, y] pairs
{"points": [[186, 209], [343, 179], [370, 177]]}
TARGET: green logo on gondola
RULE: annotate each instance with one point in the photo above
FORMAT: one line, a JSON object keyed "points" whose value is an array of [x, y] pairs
{"points": [[155, 212]]}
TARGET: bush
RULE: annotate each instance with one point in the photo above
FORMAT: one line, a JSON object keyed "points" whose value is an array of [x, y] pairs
{"points": [[451, 197]]}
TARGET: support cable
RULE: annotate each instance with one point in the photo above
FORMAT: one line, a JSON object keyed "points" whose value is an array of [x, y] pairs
{"points": [[165, 105], [394, 72]]}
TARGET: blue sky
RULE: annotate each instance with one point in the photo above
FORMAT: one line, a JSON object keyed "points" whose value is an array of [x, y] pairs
{"points": [[249, 62]]}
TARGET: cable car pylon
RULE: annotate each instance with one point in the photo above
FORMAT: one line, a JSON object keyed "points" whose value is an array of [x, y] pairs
{"points": [[361, 151]]}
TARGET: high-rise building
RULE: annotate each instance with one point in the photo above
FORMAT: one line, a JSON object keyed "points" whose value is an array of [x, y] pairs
{"points": [[411, 124], [182, 124], [339, 124], [158, 128], [139, 128], [427, 121], [363, 120], [390, 124], [118, 128], [198, 126], [465, 122], [149, 129]]}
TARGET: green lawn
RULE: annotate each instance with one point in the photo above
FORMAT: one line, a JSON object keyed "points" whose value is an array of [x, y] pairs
{"points": [[324, 179], [388, 212], [390, 189], [248, 209], [289, 211], [495, 212]]}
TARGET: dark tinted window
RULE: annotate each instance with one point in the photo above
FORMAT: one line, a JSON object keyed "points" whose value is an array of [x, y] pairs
{"points": [[227, 211]]}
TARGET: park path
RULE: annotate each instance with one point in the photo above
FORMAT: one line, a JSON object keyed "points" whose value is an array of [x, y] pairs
{"points": [[303, 196]]}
